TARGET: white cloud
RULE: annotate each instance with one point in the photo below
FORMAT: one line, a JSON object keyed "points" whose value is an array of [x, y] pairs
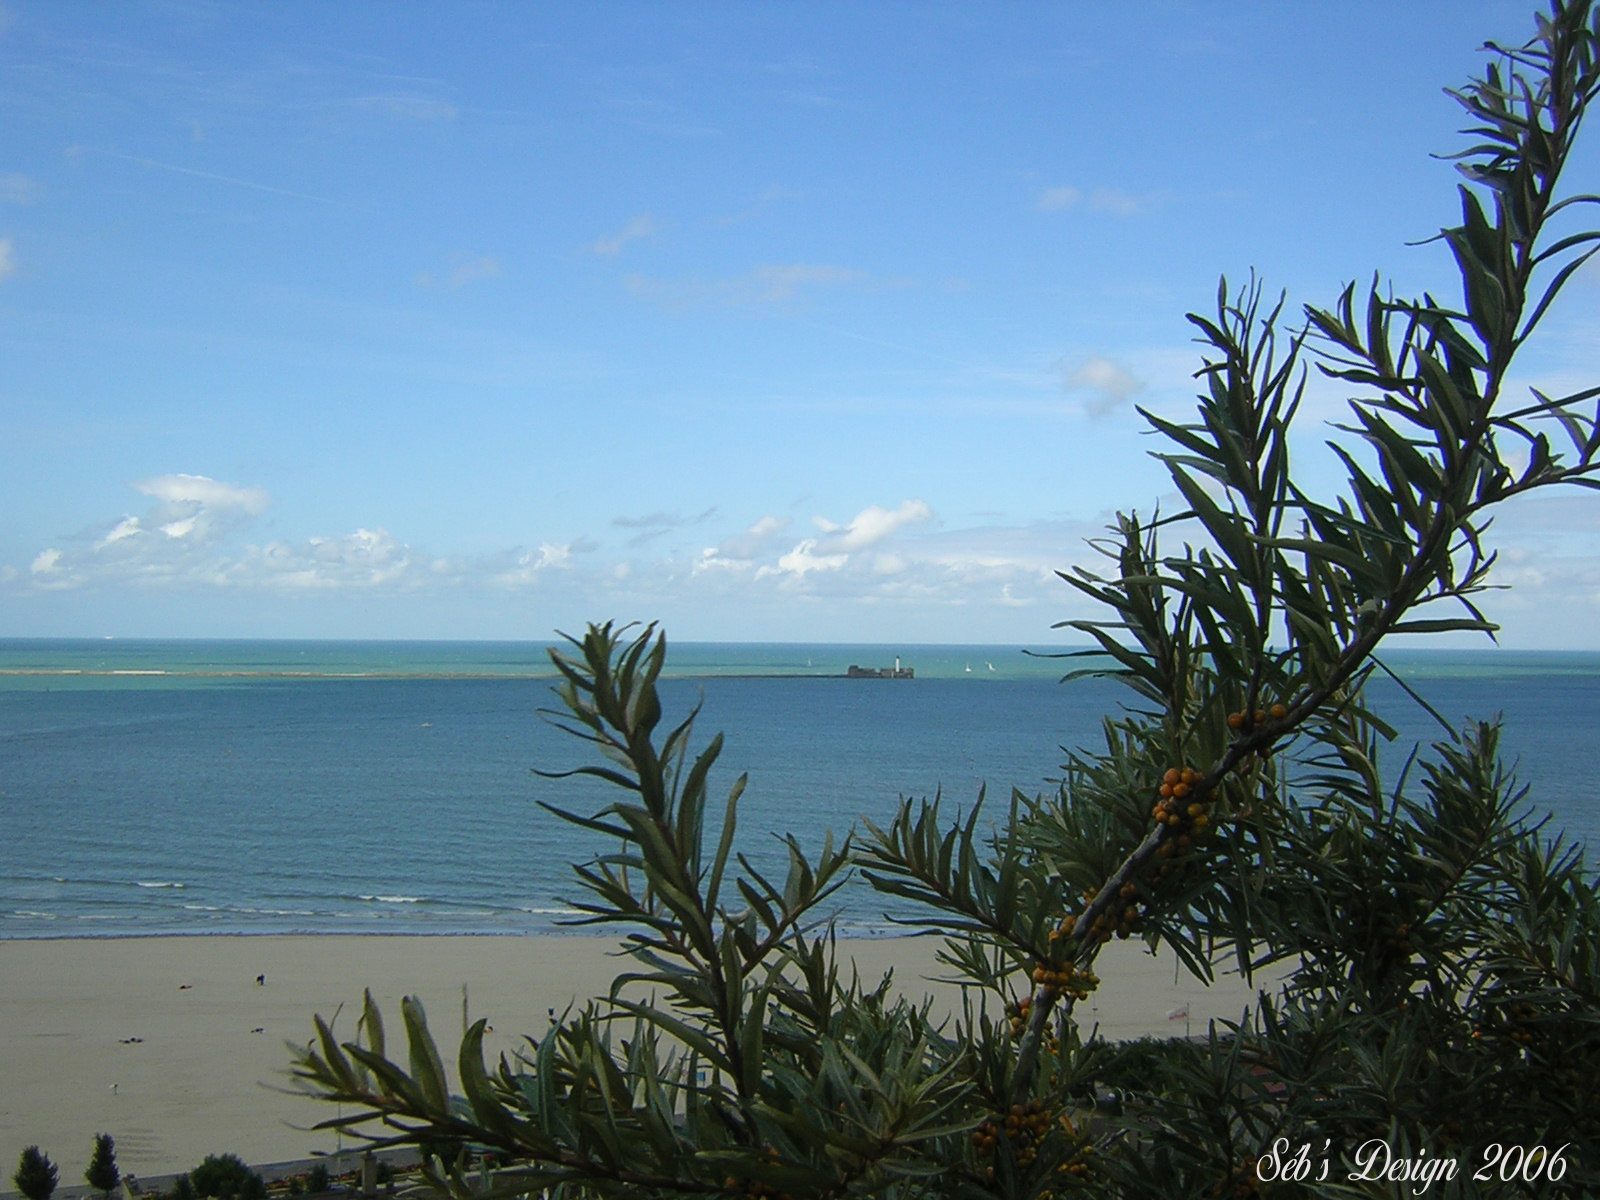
{"points": [[751, 543], [528, 565], [1118, 203], [366, 558], [8, 259], [464, 271], [1102, 199], [205, 492], [804, 559], [18, 189], [833, 550], [194, 510], [553, 556], [770, 285], [409, 106], [473, 270], [871, 525], [889, 564], [186, 539], [641, 226], [775, 285], [126, 528], [1109, 385]]}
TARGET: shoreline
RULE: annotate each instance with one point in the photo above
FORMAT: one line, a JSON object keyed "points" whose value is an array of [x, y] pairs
{"points": [[170, 1044]]}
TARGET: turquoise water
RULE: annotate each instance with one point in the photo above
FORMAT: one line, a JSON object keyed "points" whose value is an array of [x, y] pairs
{"points": [[56, 661], [191, 787]]}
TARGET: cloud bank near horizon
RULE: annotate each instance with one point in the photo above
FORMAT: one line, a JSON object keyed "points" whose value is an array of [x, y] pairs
{"points": [[199, 536]]}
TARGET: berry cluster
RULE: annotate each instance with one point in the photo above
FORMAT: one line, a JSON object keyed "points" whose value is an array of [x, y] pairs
{"points": [[1067, 979], [1018, 1014], [1025, 1127], [1181, 808], [1130, 920], [1398, 939], [1078, 1165], [1121, 922], [1520, 1017], [1240, 722]]}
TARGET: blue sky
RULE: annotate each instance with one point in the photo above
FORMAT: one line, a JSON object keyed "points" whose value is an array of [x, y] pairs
{"points": [[770, 321]]}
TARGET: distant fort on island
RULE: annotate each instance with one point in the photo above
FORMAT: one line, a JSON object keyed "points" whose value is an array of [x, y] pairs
{"points": [[894, 672]]}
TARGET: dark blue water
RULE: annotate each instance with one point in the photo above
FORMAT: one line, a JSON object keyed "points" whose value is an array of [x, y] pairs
{"points": [[409, 804]]}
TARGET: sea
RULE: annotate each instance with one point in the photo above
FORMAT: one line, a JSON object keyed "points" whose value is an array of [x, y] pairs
{"points": [[256, 787]]}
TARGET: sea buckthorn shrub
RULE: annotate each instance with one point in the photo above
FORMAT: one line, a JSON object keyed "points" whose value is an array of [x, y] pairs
{"points": [[1441, 957]]}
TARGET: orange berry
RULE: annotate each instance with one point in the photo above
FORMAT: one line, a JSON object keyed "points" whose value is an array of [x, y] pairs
{"points": [[1236, 720], [1172, 775], [1279, 712]]}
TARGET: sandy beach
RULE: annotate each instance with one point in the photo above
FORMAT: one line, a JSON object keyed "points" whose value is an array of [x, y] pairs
{"points": [[172, 1046]]}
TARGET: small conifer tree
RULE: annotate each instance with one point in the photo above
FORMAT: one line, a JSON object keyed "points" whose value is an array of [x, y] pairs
{"points": [[36, 1174], [102, 1173]]}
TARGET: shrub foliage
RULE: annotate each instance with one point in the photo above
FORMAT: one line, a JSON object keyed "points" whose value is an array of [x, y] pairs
{"points": [[227, 1177], [1442, 958]]}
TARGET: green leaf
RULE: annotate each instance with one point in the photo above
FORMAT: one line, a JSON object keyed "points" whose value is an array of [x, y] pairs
{"points": [[1444, 625], [426, 1069]]}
